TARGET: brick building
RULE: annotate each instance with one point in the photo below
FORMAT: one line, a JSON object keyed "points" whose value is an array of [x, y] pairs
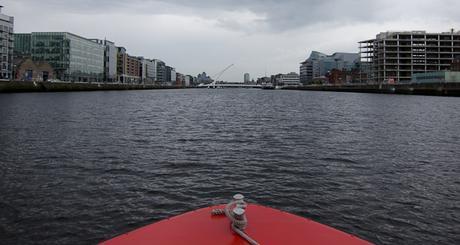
{"points": [[129, 68], [28, 70]]}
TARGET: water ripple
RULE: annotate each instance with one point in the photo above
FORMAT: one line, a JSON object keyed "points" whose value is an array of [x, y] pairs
{"points": [[78, 169]]}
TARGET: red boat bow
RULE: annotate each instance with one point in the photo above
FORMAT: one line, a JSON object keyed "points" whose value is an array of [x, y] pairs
{"points": [[265, 225]]}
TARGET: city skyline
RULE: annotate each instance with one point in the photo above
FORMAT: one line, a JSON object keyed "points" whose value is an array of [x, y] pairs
{"points": [[256, 36]]}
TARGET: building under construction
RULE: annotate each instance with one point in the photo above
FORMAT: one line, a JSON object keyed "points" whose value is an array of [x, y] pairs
{"points": [[396, 56]]}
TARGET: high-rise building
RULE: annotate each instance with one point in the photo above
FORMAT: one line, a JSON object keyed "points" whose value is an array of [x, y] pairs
{"points": [[6, 46], [397, 56], [72, 57], [319, 64], [247, 78]]}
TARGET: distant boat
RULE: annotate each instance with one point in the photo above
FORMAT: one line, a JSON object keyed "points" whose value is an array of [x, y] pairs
{"points": [[236, 223], [268, 86]]}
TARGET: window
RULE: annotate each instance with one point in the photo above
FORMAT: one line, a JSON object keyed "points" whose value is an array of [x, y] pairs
{"points": [[28, 75]]}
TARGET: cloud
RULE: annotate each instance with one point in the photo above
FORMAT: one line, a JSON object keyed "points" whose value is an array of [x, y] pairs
{"points": [[264, 15], [255, 35]]}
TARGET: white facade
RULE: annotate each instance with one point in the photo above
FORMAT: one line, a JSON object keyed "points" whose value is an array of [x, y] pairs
{"points": [[173, 75], [110, 59], [290, 79], [157, 69], [111, 62], [150, 70], [187, 81], [6, 50]]}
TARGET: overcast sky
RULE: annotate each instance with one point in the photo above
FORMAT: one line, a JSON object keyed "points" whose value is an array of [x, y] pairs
{"points": [[258, 36]]}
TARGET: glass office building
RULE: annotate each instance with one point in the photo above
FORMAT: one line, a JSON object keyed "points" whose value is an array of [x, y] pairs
{"points": [[6, 46], [73, 58], [22, 44]]}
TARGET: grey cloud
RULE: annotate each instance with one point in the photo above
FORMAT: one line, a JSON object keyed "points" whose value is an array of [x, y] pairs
{"points": [[274, 15], [291, 14], [214, 33]]}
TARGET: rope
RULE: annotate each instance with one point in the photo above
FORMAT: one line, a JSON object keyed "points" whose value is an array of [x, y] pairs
{"points": [[244, 235], [238, 225]]}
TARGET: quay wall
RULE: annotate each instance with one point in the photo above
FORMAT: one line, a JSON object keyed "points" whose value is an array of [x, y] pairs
{"points": [[438, 89], [21, 86]]}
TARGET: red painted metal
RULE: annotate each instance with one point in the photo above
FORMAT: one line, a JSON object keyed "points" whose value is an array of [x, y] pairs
{"points": [[265, 225]]}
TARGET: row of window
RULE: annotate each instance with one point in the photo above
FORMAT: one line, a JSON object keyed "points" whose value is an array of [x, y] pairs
{"points": [[6, 28]]}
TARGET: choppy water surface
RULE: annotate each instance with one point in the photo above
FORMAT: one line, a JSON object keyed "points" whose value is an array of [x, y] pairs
{"points": [[78, 168]]}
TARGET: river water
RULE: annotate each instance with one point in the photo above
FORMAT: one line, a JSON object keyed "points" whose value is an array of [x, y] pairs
{"points": [[79, 168]]}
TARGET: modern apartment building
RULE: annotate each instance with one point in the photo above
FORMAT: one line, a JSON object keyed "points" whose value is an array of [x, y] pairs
{"points": [[121, 64], [161, 71], [6, 46], [147, 70], [171, 74], [150, 71], [110, 60], [397, 56], [319, 65], [72, 57], [133, 69], [129, 68]]}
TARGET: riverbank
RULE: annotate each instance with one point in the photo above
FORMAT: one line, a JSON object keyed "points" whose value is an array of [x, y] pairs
{"points": [[438, 89], [20, 86]]}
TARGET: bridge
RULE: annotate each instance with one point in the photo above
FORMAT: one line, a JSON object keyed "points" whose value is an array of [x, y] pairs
{"points": [[229, 85]]}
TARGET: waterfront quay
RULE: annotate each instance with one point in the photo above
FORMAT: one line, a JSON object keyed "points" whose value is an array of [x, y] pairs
{"points": [[22, 86], [435, 89], [438, 89]]}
